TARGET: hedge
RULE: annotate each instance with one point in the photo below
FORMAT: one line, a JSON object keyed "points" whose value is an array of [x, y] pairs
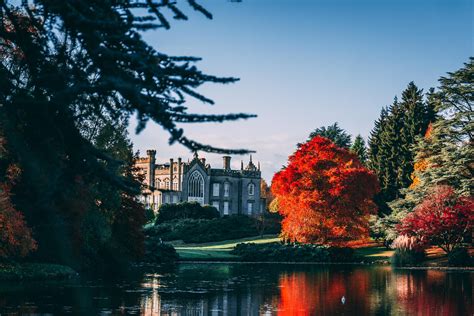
{"points": [[279, 252]]}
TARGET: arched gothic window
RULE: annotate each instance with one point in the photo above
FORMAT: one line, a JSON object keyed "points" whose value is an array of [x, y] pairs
{"points": [[251, 189], [196, 185]]}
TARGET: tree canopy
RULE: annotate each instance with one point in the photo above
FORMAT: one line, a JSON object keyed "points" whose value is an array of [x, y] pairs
{"points": [[333, 132], [359, 148], [392, 138], [324, 194]]}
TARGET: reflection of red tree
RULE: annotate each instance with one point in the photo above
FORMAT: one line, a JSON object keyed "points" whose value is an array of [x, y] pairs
{"points": [[433, 293], [321, 293]]}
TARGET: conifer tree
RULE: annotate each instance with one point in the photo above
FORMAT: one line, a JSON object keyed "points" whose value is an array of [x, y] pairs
{"points": [[359, 149], [445, 154], [334, 133], [391, 141]]}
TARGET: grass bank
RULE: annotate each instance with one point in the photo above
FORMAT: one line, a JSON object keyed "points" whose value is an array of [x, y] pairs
{"points": [[34, 271], [220, 251], [217, 251], [370, 253]]}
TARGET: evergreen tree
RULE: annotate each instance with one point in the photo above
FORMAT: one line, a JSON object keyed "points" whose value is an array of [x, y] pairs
{"points": [[359, 149], [333, 132], [375, 140], [444, 155], [391, 141]]}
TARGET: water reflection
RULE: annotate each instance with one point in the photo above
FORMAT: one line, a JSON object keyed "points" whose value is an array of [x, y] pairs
{"points": [[240, 289]]}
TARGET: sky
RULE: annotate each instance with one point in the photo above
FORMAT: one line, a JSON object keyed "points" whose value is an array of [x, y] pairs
{"points": [[303, 64]]}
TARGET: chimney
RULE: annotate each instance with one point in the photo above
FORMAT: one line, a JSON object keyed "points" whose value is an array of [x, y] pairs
{"points": [[226, 162], [179, 174], [171, 173], [151, 167], [203, 160]]}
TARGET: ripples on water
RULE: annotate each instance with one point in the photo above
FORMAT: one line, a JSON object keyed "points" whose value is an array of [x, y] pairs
{"points": [[250, 289]]}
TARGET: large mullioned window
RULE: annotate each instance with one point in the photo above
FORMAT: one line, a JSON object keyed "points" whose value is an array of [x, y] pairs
{"points": [[196, 185]]}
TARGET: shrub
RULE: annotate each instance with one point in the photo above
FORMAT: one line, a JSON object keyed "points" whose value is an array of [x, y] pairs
{"points": [[185, 210], [341, 254], [201, 230], [158, 252], [150, 215], [404, 257], [459, 257], [268, 223], [443, 219], [280, 252], [229, 227], [409, 251]]}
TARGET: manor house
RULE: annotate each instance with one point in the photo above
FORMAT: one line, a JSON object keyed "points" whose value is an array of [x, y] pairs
{"points": [[230, 191]]}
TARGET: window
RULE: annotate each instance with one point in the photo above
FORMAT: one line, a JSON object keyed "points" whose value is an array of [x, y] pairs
{"points": [[196, 185], [226, 208], [249, 208], [175, 199], [216, 205], [167, 184], [251, 189], [226, 189], [175, 185], [167, 199], [215, 189]]}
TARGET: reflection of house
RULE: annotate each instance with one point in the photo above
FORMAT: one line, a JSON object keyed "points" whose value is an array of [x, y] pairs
{"points": [[230, 191]]}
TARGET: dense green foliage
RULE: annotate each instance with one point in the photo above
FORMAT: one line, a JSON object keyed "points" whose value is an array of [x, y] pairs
{"points": [[157, 252], [279, 252], [407, 257], [218, 229], [390, 142], [333, 132], [71, 74], [445, 154], [185, 210], [359, 148], [35, 271], [460, 257]]}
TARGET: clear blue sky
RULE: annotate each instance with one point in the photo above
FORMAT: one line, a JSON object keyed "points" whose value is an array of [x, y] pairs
{"points": [[308, 63]]}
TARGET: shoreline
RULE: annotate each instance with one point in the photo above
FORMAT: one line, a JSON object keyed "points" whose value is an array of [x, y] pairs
{"points": [[442, 268], [12, 272]]}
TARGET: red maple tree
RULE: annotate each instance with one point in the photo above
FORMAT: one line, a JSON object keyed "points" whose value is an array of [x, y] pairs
{"points": [[15, 236], [442, 219], [324, 194]]}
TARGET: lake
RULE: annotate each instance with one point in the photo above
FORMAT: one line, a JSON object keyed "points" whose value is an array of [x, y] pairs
{"points": [[251, 289]]}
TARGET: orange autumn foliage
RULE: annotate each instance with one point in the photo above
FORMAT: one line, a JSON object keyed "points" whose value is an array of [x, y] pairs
{"points": [[422, 164], [324, 194]]}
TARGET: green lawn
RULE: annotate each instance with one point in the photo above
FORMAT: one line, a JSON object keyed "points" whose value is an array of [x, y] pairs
{"points": [[217, 250]]}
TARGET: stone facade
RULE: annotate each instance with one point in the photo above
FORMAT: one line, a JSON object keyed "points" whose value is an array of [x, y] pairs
{"points": [[230, 191]]}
